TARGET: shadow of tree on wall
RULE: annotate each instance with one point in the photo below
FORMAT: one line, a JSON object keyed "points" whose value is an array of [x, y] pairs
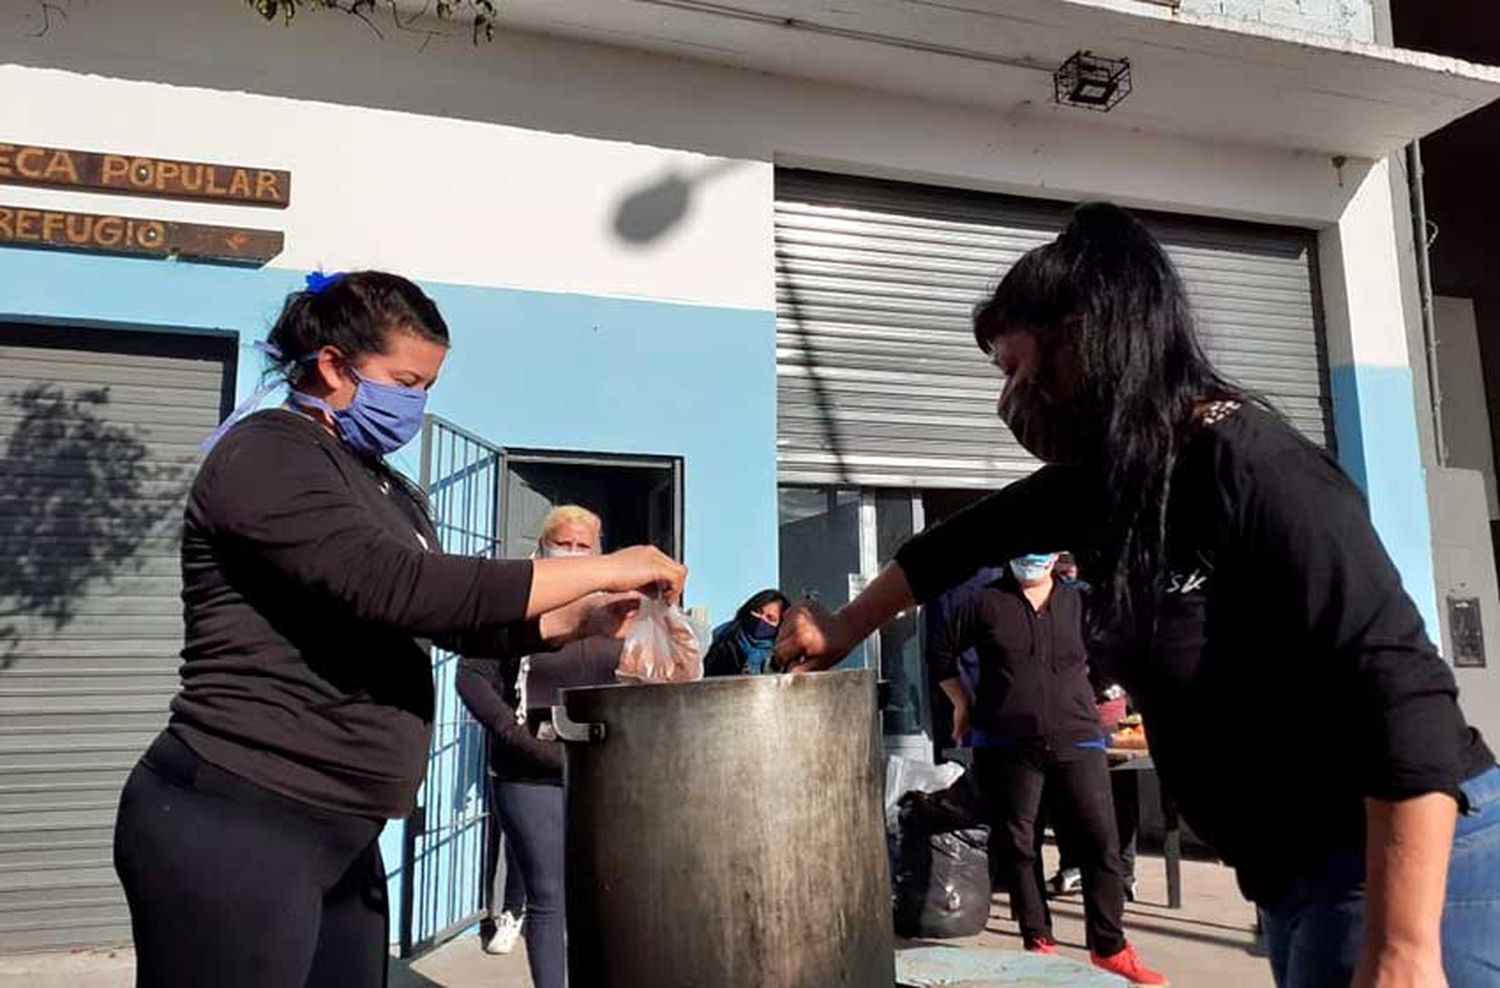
{"points": [[78, 499]]}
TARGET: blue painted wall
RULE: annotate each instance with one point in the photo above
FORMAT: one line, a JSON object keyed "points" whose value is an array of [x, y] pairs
{"points": [[528, 369], [609, 375], [1374, 418]]}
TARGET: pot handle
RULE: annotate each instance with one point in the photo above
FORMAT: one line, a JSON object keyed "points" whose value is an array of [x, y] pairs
{"points": [[574, 731]]}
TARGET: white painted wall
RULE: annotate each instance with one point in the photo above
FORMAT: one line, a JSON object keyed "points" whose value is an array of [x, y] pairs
{"points": [[1466, 568], [1350, 19], [434, 198], [1362, 288], [1376, 406], [1466, 408]]}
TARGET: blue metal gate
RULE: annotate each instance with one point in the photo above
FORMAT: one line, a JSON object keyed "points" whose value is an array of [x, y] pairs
{"points": [[444, 846]]}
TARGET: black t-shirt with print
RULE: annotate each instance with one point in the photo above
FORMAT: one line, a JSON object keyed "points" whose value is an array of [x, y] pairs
{"points": [[1290, 675]]}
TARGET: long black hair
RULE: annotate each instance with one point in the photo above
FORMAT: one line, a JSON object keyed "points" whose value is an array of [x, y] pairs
{"points": [[1106, 287]]}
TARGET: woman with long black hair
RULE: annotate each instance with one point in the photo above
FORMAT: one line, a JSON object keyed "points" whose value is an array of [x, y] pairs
{"points": [[1298, 713], [743, 645], [247, 836]]}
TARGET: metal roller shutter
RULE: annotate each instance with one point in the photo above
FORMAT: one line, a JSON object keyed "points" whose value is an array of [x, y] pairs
{"points": [[879, 381], [99, 434]]}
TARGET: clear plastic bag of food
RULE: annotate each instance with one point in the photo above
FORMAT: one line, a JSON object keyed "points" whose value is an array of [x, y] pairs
{"points": [[663, 646]]}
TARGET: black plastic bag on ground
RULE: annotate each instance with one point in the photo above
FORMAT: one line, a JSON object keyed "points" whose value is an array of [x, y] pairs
{"points": [[940, 879], [958, 807]]}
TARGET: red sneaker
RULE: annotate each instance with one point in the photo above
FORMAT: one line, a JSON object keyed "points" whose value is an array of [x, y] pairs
{"points": [[1127, 964], [1041, 945]]}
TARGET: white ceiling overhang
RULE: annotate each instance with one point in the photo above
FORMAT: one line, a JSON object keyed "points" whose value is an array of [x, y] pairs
{"points": [[1192, 76]]}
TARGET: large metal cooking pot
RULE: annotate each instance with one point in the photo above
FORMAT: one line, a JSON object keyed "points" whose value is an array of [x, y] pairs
{"points": [[727, 833]]}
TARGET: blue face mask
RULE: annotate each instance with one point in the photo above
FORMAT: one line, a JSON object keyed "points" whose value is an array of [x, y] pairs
{"points": [[1031, 569], [380, 420]]}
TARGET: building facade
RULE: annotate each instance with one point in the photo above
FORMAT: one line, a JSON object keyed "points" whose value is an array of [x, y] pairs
{"points": [[706, 267]]}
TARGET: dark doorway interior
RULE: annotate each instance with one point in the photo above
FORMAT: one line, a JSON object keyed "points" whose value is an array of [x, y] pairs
{"points": [[639, 498]]}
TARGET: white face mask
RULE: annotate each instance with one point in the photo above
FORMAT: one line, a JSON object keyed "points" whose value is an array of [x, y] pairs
{"points": [[1031, 570], [547, 551]]}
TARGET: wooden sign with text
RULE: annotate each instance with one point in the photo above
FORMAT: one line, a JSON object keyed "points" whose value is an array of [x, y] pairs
{"points": [[27, 226], [164, 178]]}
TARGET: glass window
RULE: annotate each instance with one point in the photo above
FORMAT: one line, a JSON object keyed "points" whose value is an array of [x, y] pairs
{"points": [[833, 540], [902, 666], [820, 548]]}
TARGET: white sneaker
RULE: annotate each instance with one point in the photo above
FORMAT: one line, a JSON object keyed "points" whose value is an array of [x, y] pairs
{"points": [[1065, 882], [507, 932]]}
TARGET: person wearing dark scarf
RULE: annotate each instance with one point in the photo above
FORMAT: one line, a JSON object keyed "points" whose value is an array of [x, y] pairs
{"points": [[743, 646]]}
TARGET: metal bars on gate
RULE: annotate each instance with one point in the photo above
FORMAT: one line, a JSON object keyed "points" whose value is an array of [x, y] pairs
{"points": [[444, 847]]}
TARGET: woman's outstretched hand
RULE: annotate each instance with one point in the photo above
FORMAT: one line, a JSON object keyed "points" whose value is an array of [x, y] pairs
{"points": [[558, 584], [646, 569], [811, 638], [600, 615]]}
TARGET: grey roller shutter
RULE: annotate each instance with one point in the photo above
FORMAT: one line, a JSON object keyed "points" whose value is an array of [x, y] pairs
{"points": [[98, 443], [879, 381]]}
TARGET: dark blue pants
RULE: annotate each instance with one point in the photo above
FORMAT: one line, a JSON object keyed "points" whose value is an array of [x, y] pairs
{"points": [[532, 815], [504, 888]]}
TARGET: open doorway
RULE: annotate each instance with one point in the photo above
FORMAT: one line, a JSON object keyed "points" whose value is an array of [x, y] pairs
{"points": [[639, 498], [489, 501]]}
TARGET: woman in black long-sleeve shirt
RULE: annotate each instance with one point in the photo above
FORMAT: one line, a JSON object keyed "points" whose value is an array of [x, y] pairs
{"points": [[312, 584], [1298, 714]]}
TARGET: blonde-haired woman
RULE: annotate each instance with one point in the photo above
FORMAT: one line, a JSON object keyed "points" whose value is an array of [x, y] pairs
{"points": [[512, 695]]}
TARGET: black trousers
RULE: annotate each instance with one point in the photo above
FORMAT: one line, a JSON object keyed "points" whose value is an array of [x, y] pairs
{"points": [[232, 886], [1013, 780], [1125, 789]]}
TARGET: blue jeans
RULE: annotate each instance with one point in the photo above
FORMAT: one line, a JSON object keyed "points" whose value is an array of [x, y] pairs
{"points": [[532, 815], [504, 889], [1314, 935]]}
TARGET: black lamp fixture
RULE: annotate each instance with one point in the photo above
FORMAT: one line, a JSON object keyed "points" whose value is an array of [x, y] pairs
{"points": [[1092, 81]]}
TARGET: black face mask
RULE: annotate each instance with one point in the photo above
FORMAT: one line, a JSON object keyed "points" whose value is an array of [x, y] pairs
{"points": [[1048, 429], [758, 629]]}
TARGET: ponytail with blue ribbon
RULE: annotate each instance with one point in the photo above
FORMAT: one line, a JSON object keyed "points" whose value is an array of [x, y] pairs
{"points": [[249, 404], [317, 283]]}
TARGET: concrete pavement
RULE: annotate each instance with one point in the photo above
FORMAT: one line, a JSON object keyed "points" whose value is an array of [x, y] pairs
{"points": [[1206, 944]]}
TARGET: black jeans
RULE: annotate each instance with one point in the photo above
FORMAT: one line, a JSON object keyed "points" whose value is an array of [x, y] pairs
{"points": [[1125, 790], [1013, 780], [234, 886]]}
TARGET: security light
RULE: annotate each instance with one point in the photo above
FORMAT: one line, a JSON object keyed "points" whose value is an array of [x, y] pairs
{"points": [[1092, 81]]}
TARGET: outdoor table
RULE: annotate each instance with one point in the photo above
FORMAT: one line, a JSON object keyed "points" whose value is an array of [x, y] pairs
{"points": [[1139, 760]]}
